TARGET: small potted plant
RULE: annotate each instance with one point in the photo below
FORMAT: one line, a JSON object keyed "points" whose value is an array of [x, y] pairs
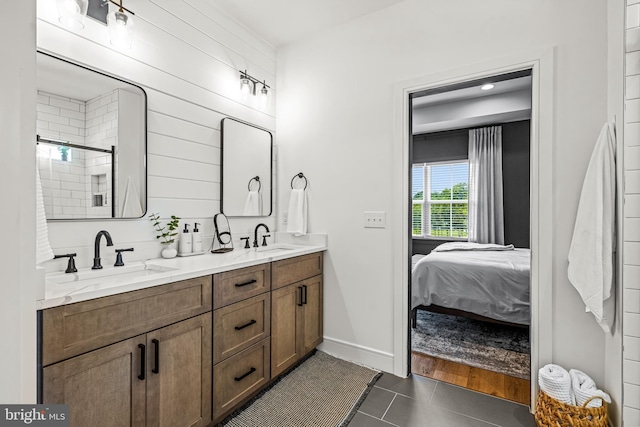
{"points": [[167, 234]]}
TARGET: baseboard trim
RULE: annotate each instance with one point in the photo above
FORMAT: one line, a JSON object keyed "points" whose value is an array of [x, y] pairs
{"points": [[358, 354]]}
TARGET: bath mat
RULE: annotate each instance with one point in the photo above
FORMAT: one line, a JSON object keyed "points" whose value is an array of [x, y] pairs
{"points": [[323, 391], [497, 348]]}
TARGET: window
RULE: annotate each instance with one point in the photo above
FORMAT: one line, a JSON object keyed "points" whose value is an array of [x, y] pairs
{"points": [[440, 199]]}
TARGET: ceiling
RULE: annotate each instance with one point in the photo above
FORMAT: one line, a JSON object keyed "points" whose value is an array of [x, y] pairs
{"points": [[280, 22], [469, 106]]}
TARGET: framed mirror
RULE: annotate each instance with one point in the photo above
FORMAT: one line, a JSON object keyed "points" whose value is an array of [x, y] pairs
{"points": [[246, 171], [92, 142]]}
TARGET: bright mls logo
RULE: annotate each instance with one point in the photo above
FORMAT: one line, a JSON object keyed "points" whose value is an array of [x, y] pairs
{"points": [[36, 415]]}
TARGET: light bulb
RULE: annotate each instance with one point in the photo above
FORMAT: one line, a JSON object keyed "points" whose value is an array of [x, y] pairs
{"points": [[488, 86], [120, 29], [264, 97], [245, 87], [72, 13]]}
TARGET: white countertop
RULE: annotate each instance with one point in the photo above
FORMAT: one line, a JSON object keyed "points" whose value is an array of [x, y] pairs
{"points": [[62, 288]]}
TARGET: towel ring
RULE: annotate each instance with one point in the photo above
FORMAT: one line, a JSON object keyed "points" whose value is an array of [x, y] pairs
{"points": [[257, 178], [300, 175]]}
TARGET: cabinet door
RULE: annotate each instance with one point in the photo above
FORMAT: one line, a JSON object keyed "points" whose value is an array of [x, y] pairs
{"points": [[284, 320], [311, 325], [102, 388], [179, 374]]}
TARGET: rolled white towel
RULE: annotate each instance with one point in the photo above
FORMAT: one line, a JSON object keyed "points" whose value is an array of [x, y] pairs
{"points": [[556, 382], [584, 388]]}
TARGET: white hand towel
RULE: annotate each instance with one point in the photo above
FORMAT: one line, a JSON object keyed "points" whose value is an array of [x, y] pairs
{"points": [[584, 388], [131, 207], [556, 382], [591, 255], [297, 216], [43, 248], [253, 204]]}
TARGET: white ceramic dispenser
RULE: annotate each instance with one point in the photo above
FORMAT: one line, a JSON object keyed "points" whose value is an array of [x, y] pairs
{"points": [[196, 237], [185, 243]]}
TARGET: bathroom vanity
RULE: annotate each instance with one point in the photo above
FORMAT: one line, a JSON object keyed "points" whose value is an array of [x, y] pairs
{"points": [[180, 352]]}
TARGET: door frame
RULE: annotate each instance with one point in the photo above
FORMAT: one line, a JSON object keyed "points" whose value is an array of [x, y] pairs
{"points": [[542, 65]]}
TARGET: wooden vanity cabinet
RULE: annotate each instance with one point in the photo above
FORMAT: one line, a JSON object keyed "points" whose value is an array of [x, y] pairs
{"points": [[270, 317], [296, 322], [158, 378], [296, 309]]}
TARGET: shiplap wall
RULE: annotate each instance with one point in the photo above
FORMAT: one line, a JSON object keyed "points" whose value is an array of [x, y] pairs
{"points": [[186, 55], [631, 269]]}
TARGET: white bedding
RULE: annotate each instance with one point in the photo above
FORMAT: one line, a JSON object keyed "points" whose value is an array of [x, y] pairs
{"points": [[493, 284]]}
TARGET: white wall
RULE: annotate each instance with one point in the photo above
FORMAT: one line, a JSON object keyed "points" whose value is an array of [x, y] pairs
{"points": [[186, 56], [342, 140], [17, 172]]}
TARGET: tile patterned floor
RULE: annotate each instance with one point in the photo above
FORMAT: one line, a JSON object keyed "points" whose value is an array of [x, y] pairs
{"points": [[421, 402]]}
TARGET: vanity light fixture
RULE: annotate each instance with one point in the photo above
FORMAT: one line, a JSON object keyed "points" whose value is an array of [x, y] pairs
{"points": [[120, 24], [487, 86], [248, 86]]}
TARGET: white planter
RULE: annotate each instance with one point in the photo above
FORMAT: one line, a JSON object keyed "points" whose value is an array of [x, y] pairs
{"points": [[169, 252]]}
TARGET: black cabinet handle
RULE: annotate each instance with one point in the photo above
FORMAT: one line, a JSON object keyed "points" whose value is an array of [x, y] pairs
{"points": [[243, 376], [239, 285], [245, 325], [143, 361], [304, 289], [156, 347], [300, 303]]}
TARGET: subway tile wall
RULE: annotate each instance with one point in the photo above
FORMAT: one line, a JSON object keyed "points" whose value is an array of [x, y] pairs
{"points": [[631, 269]]}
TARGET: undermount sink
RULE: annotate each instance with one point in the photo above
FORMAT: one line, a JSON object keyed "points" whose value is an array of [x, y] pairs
{"points": [[276, 247], [87, 279]]}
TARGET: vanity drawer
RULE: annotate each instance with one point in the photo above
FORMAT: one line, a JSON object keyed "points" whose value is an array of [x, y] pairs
{"points": [[238, 377], [73, 329], [292, 270], [240, 325], [236, 285]]}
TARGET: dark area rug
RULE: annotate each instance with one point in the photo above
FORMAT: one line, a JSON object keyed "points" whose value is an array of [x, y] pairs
{"points": [[323, 391], [497, 348]]}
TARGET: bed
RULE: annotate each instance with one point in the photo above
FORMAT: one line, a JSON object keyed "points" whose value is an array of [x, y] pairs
{"points": [[468, 279]]}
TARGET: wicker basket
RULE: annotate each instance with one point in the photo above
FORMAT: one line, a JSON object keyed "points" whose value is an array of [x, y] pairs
{"points": [[553, 413]]}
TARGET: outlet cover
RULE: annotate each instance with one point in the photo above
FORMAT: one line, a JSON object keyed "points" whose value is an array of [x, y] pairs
{"points": [[375, 219]]}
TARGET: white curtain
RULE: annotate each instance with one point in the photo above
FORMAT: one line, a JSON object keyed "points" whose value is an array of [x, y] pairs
{"points": [[486, 218]]}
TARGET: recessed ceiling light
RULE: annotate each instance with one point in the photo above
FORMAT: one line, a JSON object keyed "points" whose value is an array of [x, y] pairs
{"points": [[488, 86]]}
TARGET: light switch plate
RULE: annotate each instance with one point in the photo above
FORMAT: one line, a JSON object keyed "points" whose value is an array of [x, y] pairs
{"points": [[375, 219]]}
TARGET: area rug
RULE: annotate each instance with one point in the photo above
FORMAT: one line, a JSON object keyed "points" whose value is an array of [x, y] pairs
{"points": [[323, 391], [497, 348]]}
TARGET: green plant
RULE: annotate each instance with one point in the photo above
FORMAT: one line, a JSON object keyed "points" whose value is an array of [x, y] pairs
{"points": [[166, 231]]}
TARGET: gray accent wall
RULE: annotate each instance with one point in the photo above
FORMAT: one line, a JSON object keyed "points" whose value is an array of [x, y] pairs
{"points": [[454, 145]]}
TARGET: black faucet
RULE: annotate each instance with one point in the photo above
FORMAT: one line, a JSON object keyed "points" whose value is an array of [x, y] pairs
{"points": [[96, 253], [255, 235]]}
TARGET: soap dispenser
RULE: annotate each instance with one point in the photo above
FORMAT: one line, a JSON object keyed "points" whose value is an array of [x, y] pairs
{"points": [[196, 237], [184, 246]]}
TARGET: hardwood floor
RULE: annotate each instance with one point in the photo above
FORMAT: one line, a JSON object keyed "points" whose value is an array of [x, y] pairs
{"points": [[493, 383]]}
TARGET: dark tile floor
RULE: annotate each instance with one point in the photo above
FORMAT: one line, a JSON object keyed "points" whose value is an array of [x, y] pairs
{"points": [[421, 402]]}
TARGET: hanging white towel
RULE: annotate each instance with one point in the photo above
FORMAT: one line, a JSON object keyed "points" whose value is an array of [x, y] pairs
{"points": [[556, 382], [297, 216], [591, 255], [131, 207], [43, 248], [584, 388], [253, 204]]}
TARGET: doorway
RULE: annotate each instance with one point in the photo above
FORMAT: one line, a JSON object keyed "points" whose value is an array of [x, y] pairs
{"points": [[470, 302], [541, 64]]}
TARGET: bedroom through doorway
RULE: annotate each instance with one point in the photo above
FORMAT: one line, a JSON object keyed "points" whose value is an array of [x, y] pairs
{"points": [[470, 161]]}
